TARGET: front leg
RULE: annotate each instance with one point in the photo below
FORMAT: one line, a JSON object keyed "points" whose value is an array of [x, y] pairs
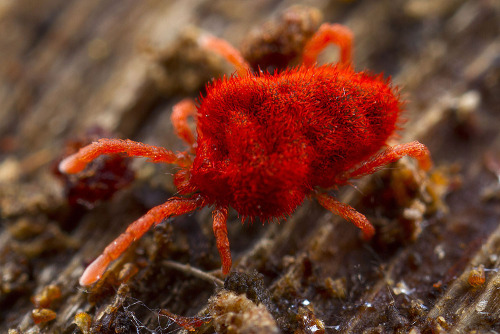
{"points": [[348, 213], [77, 162]]}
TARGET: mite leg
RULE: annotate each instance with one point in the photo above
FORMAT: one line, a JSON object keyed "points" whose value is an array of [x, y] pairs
{"points": [[77, 162], [326, 34], [173, 207], [220, 230], [226, 50], [391, 154], [347, 212], [180, 113]]}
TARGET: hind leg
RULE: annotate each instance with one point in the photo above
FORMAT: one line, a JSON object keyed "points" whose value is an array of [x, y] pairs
{"points": [[348, 213], [219, 216], [326, 34], [173, 207], [414, 149], [226, 50], [181, 111]]}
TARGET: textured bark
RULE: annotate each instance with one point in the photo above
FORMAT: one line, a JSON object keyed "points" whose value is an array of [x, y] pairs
{"points": [[69, 65]]}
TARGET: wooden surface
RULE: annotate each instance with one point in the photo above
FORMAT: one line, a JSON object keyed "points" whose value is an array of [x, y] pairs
{"points": [[69, 65]]}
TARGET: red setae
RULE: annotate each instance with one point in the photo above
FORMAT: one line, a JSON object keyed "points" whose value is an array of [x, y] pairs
{"points": [[266, 141]]}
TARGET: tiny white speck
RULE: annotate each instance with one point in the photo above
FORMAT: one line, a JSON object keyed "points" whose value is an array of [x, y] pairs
{"points": [[481, 305]]}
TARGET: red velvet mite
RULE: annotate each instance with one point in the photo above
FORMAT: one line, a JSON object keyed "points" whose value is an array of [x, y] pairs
{"points": [[266, 141]]}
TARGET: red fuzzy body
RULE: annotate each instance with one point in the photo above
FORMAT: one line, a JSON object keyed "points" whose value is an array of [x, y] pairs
{"points": [[265, 141]]}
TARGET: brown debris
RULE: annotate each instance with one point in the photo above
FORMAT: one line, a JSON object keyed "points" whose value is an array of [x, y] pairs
{"points": [[477, 276], [278, 44], [49, 294], [308, 323], [84, 322], [336, 288], [184, 67], [100, 180], [42, 315], [234, 313]]}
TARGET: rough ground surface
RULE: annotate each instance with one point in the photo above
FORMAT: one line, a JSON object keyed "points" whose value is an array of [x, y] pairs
{"points": [[67, 66]]}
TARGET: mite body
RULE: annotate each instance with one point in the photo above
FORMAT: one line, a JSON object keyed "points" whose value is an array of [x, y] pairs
{"points": [[265, 142]]}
